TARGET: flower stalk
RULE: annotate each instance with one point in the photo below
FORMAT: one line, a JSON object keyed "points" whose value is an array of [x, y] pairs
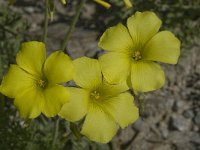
{"points": [[55, 133], [46, 17], [72, 26], [75, 130]]}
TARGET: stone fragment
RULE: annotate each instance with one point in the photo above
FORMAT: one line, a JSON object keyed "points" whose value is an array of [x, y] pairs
{"points": [[197, 118], [180, 123], [189, 114]]}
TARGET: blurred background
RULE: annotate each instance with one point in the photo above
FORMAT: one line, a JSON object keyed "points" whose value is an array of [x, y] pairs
{"points": [[171, 118]]}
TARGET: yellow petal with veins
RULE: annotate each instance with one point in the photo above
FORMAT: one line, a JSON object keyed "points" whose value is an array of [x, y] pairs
{"points": [[163, 47], [29, 102], [142, 27], [15, 81], [55, 97], [146, 76], [77, 106], [58, 68], [117, 39], [122, 109], [31, 57], [98, 125], [87, 73], [115, 67]]}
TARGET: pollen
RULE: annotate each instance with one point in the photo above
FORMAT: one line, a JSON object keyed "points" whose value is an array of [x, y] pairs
{"points": [[41, 83], [137, 55], [95, 95]]}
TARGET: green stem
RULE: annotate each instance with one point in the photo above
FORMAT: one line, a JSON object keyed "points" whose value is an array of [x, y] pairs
{"points": [[2, 104], [141, 104], [75, 130], [72, 25], [43, 119], [55, 133], [46, 18]]}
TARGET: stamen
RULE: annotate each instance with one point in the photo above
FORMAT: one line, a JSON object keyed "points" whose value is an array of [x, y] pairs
{"points": [[137, 55], [41, 83], [95, 95]]}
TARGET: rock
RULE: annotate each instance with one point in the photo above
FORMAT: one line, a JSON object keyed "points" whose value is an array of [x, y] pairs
{"points": [[29, 10], [178, 105], [162, 147], [180, 123], [126, 134], [195, 128], [197, 85], [189, 114], [194, 137], [182, 140], [138, 125], [82, 42], [197, 118], [164, 133]]}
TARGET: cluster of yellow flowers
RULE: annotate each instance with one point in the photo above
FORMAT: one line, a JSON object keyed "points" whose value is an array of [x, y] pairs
{"points": [[101, 95]]}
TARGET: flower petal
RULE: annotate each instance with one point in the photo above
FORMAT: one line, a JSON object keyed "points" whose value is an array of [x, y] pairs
{"points": [[123, 109], [15, 81], [87, 73], [163, 47], [58, 68], [76, 108], [110, 90], [29, 102], [115, 67], [31, 57], [98, 125], [143, 26], [116, 38], [55, 98], [146, 76]]}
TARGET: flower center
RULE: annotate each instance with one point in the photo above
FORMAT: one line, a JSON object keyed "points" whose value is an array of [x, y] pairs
{"points": [[41, 83], [137, 55], [95, 95]]}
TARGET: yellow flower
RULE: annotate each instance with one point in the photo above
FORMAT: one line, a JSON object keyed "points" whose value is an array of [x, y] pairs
{"points": [[33, 82], [105, 106], [133, 50]]}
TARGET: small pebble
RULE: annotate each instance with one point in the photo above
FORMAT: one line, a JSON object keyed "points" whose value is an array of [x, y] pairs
{"points": [[178, 105], [180, 123], [197, 119], [138, 125], [189, 114]]}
